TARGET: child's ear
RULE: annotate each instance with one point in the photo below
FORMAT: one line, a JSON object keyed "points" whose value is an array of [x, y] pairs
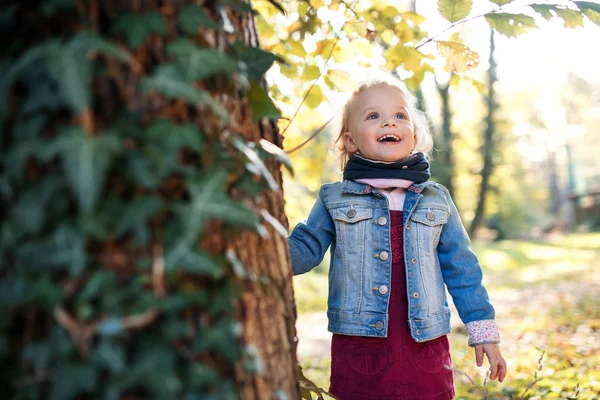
{"points": [[349, 143]]}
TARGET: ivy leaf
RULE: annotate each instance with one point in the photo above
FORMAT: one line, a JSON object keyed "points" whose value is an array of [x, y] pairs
{"points": [[191, 16], [278, 153], [72, 71], [572, 18], [459, 58], [198, 63], [182, 258], [85, 161], [261, 104], [172, 136], [135, 218], [545, 10], [257, 62], [209, 200], [137, 27], [510, 25], [590, 10], [454, 10], [501, 2], [168, 81], [88, 42], [72, 379], [255, 160]]}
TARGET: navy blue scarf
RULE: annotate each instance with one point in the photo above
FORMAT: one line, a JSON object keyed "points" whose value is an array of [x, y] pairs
{"points": [[414, 168]]}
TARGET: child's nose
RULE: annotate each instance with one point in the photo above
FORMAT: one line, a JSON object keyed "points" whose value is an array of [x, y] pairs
{"points": [[389, 122]]}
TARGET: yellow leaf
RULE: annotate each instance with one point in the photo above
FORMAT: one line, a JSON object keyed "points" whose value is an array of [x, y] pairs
{"points": [[315, 97], [390, 12], [316, 3], [459, 58], [341, 79], [275, 48], [294, 27], [404, 32], [358, 27], [311, 72], [414, 17], [324, 47], [406, 56], [343, 54], [335, 5], [296, 48], [363, 48], [387, 35]]}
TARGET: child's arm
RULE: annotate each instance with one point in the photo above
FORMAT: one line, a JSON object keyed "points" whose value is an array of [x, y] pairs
{"points": [[463, 277], [309, 240]]}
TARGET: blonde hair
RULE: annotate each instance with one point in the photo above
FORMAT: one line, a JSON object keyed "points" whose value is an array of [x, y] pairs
{"points": [[421, 125]]}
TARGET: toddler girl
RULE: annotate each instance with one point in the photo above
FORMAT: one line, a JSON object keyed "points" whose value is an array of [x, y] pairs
{"points": [[396, 242]]}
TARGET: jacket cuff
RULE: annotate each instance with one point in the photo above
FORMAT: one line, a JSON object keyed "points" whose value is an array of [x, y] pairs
{"points": [[481, 332]]}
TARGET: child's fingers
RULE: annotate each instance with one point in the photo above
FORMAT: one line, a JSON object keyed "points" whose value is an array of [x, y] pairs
{"points": [[479, 355], [502, 368]]}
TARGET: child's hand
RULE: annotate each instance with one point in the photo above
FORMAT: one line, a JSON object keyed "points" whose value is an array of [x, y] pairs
{"points": [[497, 363]]}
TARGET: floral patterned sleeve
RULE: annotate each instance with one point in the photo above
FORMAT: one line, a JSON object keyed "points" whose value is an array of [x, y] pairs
{"points": [[481, 332]]}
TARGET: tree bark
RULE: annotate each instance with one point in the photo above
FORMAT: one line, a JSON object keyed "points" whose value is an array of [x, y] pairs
{"points": [[488, 144]]}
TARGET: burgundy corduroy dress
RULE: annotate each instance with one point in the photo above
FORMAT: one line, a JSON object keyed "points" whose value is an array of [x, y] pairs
{"points": [[396, 367]]}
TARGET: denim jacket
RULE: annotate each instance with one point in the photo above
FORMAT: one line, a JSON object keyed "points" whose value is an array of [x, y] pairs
{"points": [[353, 218]]}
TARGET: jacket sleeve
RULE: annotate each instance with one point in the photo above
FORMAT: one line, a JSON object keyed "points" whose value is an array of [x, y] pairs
{"points": [[463, 277], [310, 240]]}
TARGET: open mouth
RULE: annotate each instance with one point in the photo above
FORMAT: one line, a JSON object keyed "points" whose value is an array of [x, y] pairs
{"points": [[389, 138]]}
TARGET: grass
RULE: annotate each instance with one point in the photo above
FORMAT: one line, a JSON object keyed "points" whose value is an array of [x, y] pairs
{"points": [[547, 297]]}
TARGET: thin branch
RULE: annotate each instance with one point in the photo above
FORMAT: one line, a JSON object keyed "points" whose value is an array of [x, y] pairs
{"points": [[310, 138]]}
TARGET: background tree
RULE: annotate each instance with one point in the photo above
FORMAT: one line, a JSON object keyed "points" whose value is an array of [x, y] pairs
{"points": [[143, 235]]}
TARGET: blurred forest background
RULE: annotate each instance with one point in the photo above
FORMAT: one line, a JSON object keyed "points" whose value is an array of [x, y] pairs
{"points": [[515, 116]]}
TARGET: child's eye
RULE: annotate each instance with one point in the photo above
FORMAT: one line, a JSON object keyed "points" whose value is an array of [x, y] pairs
{"points": [[373, 116], [400, 116]]}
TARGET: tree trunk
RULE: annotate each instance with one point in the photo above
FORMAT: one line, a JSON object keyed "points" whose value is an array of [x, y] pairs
{"points": [[445, 158], [218, 319], [488, 144]]}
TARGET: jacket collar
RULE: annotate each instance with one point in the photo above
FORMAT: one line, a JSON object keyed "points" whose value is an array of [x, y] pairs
{"points": [[361, 188]]}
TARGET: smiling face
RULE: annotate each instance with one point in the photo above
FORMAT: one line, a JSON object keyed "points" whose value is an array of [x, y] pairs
{"points": [[380, 127]]}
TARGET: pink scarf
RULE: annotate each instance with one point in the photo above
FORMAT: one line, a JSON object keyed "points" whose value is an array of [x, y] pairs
{"points": [[393, 189]]}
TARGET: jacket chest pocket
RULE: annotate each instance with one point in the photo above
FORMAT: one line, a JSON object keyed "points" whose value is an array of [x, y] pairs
{"points": [[351, 224], [428, 225]]}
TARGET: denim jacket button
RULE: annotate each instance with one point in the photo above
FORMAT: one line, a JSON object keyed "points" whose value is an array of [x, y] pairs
{"points": [[379, 325], [418, 332], [382, 221], [430, 216], [414, 261], [408, 227], [383, 289], [351, 213], [384, 255], [416, 295]]}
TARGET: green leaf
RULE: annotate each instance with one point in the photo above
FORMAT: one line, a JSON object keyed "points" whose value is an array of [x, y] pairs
{"points": [[510, 25], [209, 200], [257, 62], [590, 10], [200, 63], [72, 71], [501, 2], [261, 104], [255, 160], [175, 136], [278, 153], [110, 355], [35, 56], [137, 27], [136, 216], [545, 10], [88, 42], [572, 18], [315, 97], [85, 161], [194, 261], [100, 282], [64, 249], [168, 81], [72, 379], [191, 16], [454, 10]]}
